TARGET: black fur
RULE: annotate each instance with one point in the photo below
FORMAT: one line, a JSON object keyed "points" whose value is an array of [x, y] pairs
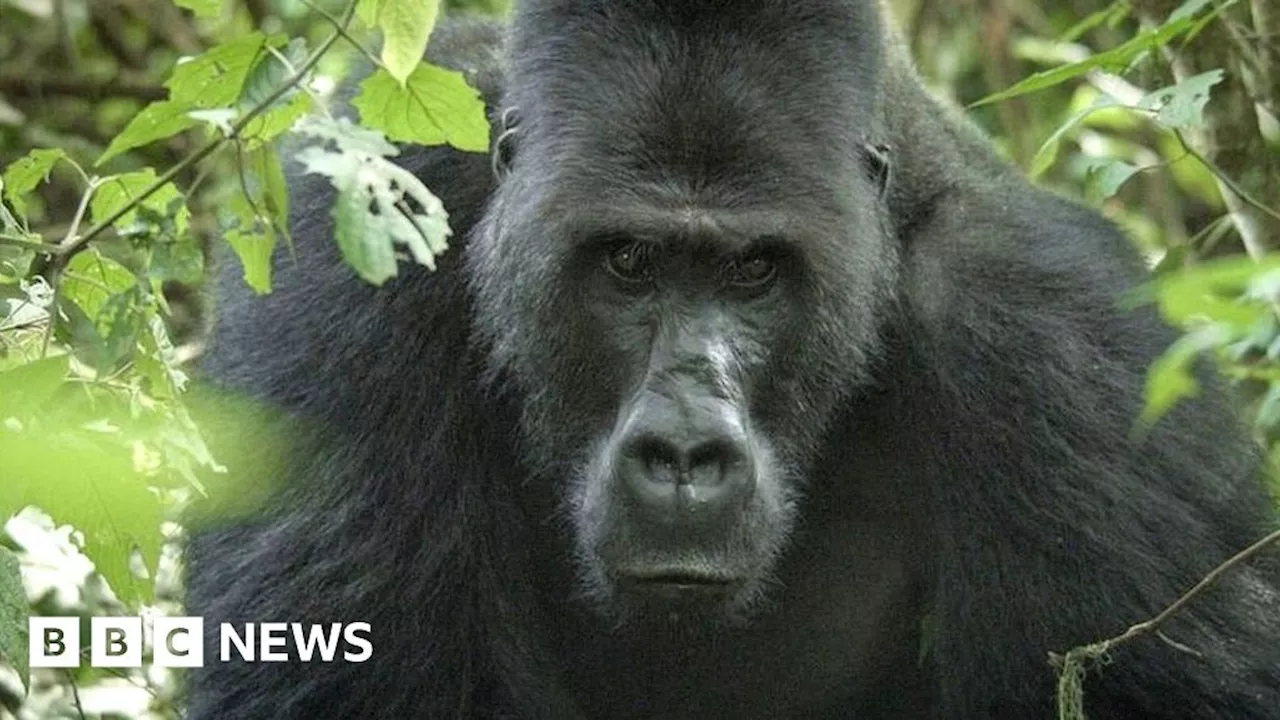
{"points": [[938, 398]]}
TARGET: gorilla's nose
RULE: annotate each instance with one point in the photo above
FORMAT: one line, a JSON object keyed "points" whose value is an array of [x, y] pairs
{"points": [[686, 459]]}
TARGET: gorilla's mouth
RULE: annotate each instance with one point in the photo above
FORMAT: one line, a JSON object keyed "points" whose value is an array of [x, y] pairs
{"points": [[676, 582]]}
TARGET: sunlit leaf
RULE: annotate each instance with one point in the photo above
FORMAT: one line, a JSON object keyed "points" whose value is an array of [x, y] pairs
{"points": [[433, 107], [406, 26]]}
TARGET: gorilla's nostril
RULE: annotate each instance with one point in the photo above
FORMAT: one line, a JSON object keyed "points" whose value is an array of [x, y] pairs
{"points": [[659, 459], [711, 461]]}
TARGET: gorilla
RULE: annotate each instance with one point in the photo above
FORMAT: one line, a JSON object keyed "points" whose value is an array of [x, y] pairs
{"points": [[756, 385]]}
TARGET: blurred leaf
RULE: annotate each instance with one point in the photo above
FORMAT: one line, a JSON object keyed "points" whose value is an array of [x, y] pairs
{"points": [[1048, 151], [1107, 175], [1169, 379], [178, 260], [24, 174], [1211, 291], [1181, 106], [1188, 9], [1268, 415], [72, 470], [1114, 59], [29, 388], [201, 8], [433, 107], [14, 612], [15, 263], [1189, 174], [1110, 15]]}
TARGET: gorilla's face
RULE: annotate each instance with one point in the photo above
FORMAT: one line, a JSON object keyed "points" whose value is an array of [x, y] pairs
{"points": [[679, 355]]}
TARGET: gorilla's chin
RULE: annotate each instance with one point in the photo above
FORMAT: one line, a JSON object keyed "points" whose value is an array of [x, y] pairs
{"points": [[697, 589], [682, 604]]}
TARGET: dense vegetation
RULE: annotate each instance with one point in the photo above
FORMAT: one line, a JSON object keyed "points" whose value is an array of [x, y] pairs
{"points": [[139, 138]]}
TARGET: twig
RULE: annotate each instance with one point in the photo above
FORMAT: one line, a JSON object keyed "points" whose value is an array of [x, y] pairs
{"points": [[340, 27], [1153, 624], [22, 242], [1232, 185], [68, 249], [75, 691], [70, 238]]}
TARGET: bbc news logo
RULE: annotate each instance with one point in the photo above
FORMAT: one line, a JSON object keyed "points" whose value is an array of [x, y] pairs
{"points": [[117, 642]]}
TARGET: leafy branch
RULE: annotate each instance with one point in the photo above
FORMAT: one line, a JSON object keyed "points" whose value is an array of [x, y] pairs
{"points": [[74, 244]]}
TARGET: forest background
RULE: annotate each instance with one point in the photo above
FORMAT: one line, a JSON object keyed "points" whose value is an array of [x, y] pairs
{"points": [[138, 137]]}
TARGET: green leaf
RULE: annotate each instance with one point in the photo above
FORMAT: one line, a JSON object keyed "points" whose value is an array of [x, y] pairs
{"points": [[270, 189], [1169, 378], [270, 74], [279, 119], [379, 204], [14, 612], [118, 191], [23, 175], [101, 302], [90, 483], [1105, 177], [29, 388], [254, 251], [367, 11], [257, 218], [1188, 9], [15, 263], [433, 107], [1113, 13], [157, 121], [1211, 292], [1114, 59], [367, 250], [1182, 106], [214, 79], [217, 77], [406, 27], [1268, 415], [201, 8], [177, 260]]}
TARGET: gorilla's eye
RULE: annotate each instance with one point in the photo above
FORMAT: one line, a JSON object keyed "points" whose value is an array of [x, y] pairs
{"points": [[753, 272], [629, 262]]}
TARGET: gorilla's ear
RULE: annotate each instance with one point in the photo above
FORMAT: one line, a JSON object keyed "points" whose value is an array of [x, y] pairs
{"points": [[504, 147], [879, 160]]}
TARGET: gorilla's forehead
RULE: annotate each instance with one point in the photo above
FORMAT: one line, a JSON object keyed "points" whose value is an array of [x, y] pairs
{"points": [[729, 228], [717, 101]]}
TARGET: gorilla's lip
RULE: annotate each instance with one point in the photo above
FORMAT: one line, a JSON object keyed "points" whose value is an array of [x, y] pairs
{"points": [[675, 578]]}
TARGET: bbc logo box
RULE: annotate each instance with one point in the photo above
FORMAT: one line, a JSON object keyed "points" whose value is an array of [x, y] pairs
{"points": [[116, 642]]}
